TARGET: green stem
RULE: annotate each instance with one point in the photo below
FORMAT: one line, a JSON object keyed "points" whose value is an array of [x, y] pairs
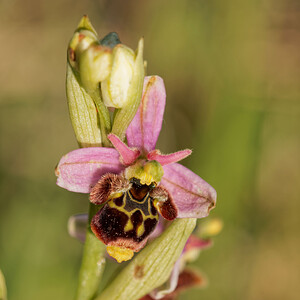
{"points": [[104, 117], [93, 263]]}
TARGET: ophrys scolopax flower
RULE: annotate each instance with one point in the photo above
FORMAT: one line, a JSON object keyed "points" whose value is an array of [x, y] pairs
{"points": [[134, 181]]}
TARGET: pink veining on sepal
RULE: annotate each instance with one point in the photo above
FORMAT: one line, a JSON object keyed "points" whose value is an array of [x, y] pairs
{"points": [[166, 159], [145, 127], [193, 196], [79, 170], [127, 155]]}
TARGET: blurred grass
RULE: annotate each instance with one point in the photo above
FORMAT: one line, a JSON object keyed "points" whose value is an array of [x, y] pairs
{"points": [[232, 73]]}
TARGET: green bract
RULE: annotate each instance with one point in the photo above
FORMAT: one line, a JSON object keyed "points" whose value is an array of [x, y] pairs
{"points": [[142, 276], [83, 112]]}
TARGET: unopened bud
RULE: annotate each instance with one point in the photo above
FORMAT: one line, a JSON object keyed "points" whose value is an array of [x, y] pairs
{"points": [[84, 36], [125, 86], [115, 88], [94, 66]]}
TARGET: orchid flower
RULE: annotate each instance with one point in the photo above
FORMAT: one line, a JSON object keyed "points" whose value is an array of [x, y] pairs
{"points": [[134, 181]]}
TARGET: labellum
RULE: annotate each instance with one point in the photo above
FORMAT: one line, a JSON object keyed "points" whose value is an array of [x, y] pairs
{"points": [[130, 215]]}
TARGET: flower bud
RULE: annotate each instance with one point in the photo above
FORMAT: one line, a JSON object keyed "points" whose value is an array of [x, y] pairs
{"points": [[94, 66], [84, 36], [88, 64], [123, 88], [115, 88]]}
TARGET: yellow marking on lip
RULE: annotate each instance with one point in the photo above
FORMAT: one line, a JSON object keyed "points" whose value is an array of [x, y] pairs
{"points": [[155, 204], [120, 254], [115, 195], [140, 230], [128, 226]]}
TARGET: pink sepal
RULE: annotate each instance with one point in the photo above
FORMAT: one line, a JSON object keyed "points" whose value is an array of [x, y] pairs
{"points": [[127, 155], [145, 127], [194, 242], [193, 196], [166, 159], [79, 170]]}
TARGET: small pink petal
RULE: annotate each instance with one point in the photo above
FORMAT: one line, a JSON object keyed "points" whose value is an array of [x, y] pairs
{"points": [[145, 127], [193, 196], [196, 243], [80, 169], [127, 155], [165, 159]]}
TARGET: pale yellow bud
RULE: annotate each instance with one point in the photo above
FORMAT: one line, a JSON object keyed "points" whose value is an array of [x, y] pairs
{"points": [[84, 36], [115, 88], [94, 66]]}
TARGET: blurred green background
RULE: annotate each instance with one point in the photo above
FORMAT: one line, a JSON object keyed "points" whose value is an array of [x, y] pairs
{"points": [[232, 74]]}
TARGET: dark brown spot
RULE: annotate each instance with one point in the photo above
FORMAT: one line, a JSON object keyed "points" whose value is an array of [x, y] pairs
{"points": [[108, 224], [168, 209], [136, 218], [119, 201], [138, 272], [153, 209], [149, 225], [139, 191]]}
